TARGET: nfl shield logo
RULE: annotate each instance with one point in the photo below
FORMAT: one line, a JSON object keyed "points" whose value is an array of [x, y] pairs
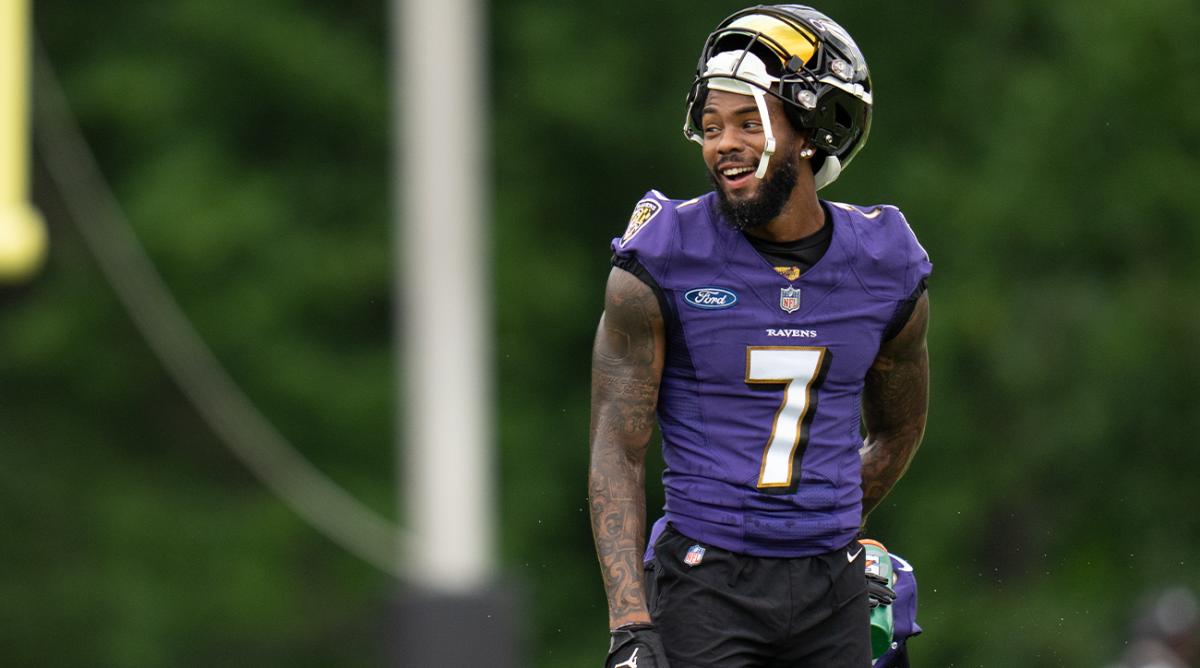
{"points": [[789, 299], [695, 555]]}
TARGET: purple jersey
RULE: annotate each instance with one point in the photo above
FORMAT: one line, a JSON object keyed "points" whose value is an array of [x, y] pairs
{"points": [[759, 404]]}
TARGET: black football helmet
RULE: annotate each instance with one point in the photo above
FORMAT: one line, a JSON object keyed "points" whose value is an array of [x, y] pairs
{"points": [[807, 61]]}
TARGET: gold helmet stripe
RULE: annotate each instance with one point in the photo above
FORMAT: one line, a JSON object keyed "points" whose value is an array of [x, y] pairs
{"points": [[795, 40]]}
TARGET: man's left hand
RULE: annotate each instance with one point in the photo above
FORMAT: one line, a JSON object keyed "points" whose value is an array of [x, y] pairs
{"points": [[636, 646], [879, 591]]}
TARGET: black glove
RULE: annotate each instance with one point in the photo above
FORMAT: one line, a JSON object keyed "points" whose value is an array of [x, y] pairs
{"points": [[879, 591], [636, 646]]}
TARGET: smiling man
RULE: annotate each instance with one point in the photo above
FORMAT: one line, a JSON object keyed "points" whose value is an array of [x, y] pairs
{"points": [[765, 327]]}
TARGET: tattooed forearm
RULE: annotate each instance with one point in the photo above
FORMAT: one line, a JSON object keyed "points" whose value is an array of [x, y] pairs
{"points": [[895, 406], [618, 506], [626, 369]]}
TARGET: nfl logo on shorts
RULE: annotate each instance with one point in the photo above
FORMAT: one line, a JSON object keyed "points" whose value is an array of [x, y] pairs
{"points": [[789, 299], [695, 555]]}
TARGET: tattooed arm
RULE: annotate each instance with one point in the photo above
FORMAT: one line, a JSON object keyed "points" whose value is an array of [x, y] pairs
{"points": [[895, 403], [627, 363]]}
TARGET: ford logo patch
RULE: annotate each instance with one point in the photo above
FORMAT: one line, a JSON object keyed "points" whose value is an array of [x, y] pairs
{"points": [[710, 298]]}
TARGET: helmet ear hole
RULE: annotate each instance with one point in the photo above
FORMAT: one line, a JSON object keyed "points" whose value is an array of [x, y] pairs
{"points": [[842, 117]]}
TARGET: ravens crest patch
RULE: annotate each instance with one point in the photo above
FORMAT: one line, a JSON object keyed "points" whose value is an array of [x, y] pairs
{"points": [[790, 273], [643, 213]]}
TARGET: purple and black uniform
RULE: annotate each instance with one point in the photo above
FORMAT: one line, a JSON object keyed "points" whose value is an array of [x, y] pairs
{"points": [[759, 404]]}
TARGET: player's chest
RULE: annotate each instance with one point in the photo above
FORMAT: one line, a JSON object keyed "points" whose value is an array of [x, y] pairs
{"points": [[728, 322]]}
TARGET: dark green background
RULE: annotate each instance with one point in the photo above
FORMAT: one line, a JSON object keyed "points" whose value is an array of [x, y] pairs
{"points": [[1046, 153]]}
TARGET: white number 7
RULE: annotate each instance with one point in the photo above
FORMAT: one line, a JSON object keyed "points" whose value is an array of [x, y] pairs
{"points": [[800, 369]]}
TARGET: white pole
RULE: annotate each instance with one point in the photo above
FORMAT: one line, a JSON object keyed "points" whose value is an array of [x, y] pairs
{"points": [[443, 322]]}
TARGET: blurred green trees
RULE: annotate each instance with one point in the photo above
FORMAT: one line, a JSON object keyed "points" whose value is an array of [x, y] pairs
{"points": [[1045, 153]]}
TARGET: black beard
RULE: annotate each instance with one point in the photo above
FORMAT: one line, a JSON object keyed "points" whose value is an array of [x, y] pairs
{"points": [[764, 207]]}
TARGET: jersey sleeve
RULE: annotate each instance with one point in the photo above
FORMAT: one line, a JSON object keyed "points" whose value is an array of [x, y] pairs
{"points": [[917, 264], [917, 268], [892, 264], [648, 239]]}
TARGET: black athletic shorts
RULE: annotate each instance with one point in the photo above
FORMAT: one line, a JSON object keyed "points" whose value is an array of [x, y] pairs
{"points": [[729, 610]]}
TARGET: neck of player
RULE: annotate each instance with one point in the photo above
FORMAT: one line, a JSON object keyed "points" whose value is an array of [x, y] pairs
{"points": [[801, 215]]}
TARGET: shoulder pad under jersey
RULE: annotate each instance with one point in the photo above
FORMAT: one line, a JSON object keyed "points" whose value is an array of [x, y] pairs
{"points": [[891, 262]]}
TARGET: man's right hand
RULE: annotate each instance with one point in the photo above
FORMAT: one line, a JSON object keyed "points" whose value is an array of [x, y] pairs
{"points": [[636, 646]]}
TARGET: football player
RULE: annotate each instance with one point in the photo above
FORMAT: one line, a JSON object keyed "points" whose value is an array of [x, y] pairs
{"points": [[761, 326]]}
